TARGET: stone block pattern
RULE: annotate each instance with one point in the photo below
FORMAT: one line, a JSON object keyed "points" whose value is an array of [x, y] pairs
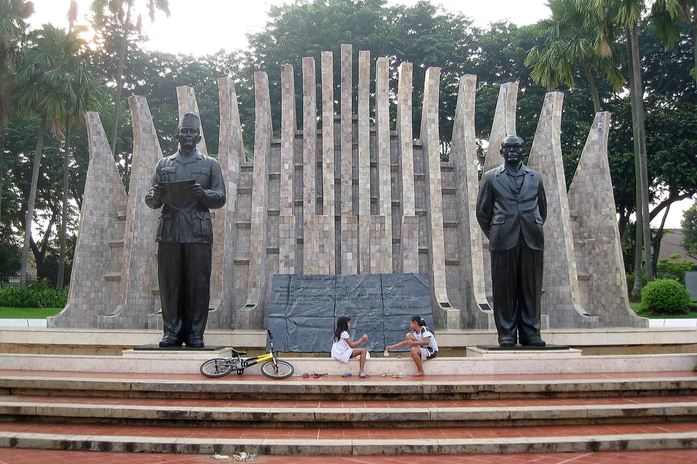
{"points": [[349, 198], [230, 157], [328, 174], [383, 264], [561, 299], [469, 238], [259, 219], [599, 261], [97, 262], [364, 160], [139, 296]]}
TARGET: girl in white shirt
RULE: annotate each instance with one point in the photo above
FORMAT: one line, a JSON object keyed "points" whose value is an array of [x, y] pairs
{"points": [[344, 349], [422, 344]]}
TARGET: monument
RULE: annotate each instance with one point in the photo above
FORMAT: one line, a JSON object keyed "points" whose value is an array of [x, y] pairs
{"points": [[340, 196]]}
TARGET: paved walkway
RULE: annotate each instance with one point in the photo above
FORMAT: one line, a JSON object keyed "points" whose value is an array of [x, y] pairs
{"points": [[22, 456]]}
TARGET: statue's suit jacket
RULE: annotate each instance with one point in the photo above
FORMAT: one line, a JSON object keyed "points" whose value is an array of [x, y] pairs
{"points": [[504, 214]]}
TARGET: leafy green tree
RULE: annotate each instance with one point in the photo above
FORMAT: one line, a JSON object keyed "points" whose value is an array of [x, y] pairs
{"points": [[667, 16], [47, 89], [13, 14], [84, 91], [615, 16], [115, 8], [689, 230], [570, 42], [422, 34]]}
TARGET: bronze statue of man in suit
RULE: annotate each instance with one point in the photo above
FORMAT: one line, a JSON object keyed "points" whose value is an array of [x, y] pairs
{"points": [[185, 235], [511, 210]]}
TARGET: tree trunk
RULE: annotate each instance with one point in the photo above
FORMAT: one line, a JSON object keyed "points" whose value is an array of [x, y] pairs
{"points": [[593, 87], [119, 80], [657, 239], [639, 133], [60, 279], [32, 200]]}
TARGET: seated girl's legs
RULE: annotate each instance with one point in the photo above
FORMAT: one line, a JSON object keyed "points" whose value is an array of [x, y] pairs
{"points": [[363, 353], [416, 356]]}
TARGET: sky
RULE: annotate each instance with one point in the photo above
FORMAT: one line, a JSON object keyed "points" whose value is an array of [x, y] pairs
{"points": [[212, 25], [216, 24]]}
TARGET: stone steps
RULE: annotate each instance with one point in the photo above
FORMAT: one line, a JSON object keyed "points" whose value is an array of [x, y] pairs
{"points": [[380, 414], [333, 387], [350, 441], [331, 415]]}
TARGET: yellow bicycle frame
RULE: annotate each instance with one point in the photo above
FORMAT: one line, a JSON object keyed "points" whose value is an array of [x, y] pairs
{"points": [[258, 359]]}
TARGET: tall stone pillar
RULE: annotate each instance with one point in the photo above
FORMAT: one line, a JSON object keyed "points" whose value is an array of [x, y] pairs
{"points": [[349, 221], [504, 123], [381, 253], [230, 157], [327, 219], [561, 297], [99, 248], [139, 271], [448, 316], [476, 312], [409, 234], [287, 240], [310, 186], [601, 275], [258, 261], [364, 213]]}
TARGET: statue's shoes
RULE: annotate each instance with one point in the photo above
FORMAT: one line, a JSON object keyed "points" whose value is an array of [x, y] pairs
{"points": [[194, 343], [507, 344], [169, 342], [538, 342]]}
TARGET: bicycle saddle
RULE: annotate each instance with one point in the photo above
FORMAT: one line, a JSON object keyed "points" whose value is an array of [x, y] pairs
{"points": [[238, 353]]}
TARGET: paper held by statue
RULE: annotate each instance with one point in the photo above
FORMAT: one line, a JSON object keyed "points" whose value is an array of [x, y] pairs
{"points": [[178, 192]]}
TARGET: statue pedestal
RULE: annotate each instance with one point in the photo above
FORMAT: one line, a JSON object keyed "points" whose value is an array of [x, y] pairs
{"points": [[522, 352], [155, 352]]}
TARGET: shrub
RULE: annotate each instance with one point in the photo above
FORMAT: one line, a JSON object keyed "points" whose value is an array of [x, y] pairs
{"points": [[36, 295], [665, 296], [674, 269]]}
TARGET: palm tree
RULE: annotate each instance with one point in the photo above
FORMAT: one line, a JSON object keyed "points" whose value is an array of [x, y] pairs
{"points": [[625, 15], [116, 9], [51, 83], [12, 30], [83, 92], [667, 16], [570, 42]]}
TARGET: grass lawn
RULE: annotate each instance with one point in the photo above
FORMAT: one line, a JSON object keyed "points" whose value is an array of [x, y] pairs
{"points": [[688, 315], [28, 313]]}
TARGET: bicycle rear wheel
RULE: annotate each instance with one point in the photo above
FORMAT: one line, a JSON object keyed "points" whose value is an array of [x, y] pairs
{"points": [[217, 367], [279, 370]]}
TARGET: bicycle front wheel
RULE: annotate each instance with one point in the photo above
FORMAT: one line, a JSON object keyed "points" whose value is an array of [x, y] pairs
{"points": [[216, 367], [279, 370]]}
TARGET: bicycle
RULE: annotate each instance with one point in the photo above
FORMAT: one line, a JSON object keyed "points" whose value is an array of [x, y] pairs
{"points": [[272, 367]]}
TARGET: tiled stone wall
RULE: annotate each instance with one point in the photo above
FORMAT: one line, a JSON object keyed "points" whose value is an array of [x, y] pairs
{"points": [[601, 276], [470, 239], [139, 296], [97, 262], [225, 233], [350, 198], [561, 298]]}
